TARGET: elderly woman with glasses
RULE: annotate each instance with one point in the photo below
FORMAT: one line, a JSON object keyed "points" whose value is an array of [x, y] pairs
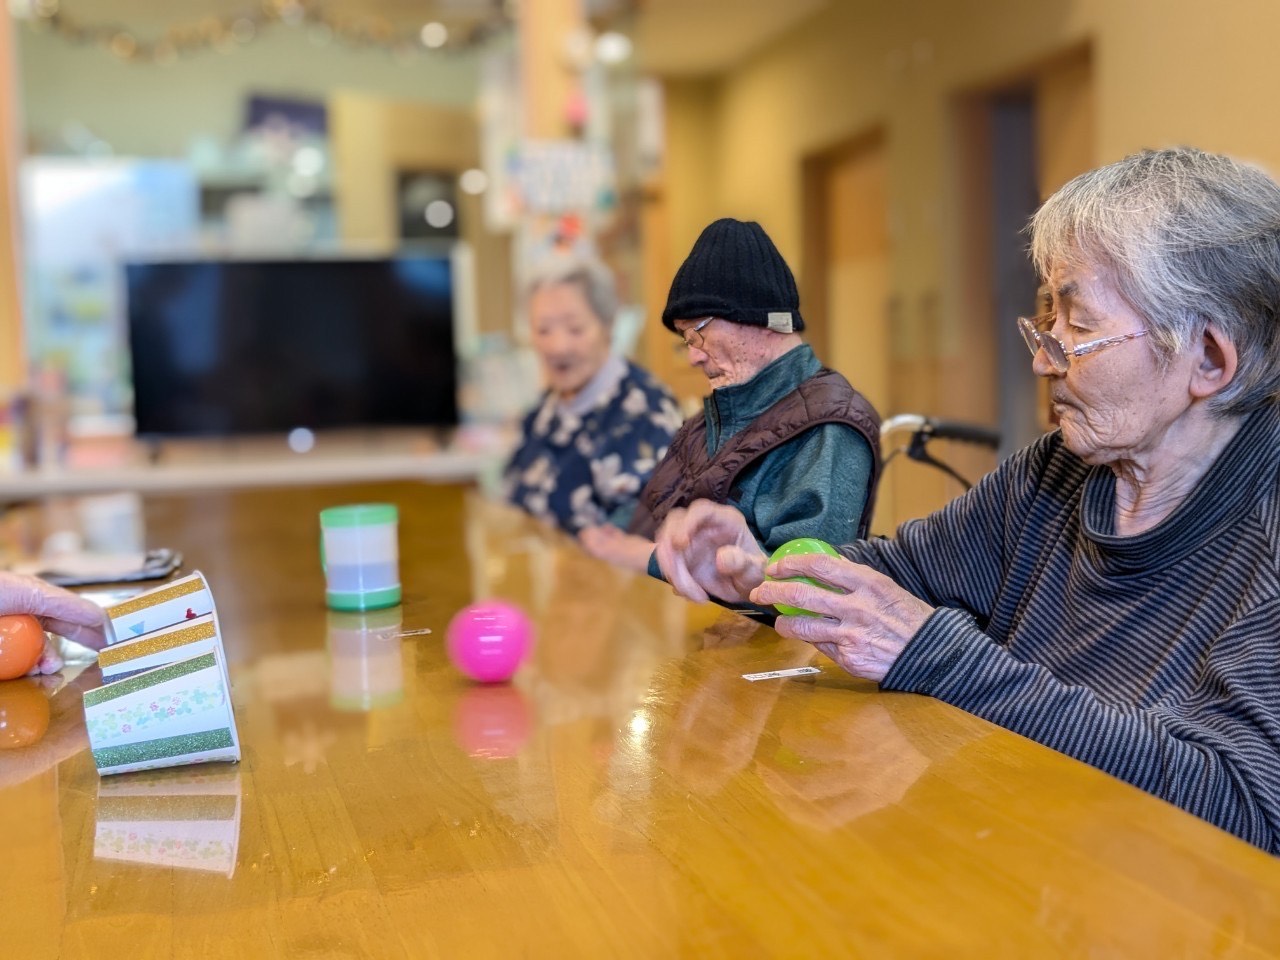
{"points": [[1113, 590], [602, 425]]}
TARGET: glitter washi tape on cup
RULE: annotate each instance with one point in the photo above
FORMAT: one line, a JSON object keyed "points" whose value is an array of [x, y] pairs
{"points": [[170, 716], [175, 630], [170, 603], [181, 641]]}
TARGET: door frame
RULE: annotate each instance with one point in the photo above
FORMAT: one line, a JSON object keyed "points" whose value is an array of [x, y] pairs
{"points": [[815, 220]]}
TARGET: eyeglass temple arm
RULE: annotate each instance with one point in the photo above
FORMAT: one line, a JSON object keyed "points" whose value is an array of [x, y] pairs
{"points": [[1087, 348]]}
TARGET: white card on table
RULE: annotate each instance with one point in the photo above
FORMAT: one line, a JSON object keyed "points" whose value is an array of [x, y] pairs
{"points": [[780, 674]]}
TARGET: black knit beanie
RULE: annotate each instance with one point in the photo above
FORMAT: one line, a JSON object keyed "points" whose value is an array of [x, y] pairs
{"points": [[735, 272]]}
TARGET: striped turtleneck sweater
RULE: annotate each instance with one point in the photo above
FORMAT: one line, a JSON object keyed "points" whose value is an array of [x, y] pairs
{"points": [[1154, 657]]}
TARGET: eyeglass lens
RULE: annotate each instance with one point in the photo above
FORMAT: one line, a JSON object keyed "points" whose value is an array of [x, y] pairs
{"points": [[1052, 346]]}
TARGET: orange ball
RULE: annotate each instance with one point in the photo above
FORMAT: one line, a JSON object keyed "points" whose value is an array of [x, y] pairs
{"points": [[21, 643], [24, 713]]}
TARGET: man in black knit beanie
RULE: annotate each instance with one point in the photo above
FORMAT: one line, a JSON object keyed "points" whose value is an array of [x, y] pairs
{"points": [[786, 441]]}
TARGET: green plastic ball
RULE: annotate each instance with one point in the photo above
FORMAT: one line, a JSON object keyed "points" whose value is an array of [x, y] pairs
{"points": [[791, 548]]}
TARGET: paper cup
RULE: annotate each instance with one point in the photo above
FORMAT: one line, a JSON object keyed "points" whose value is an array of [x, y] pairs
{"points": [[173, 602], [170, 716], [182, 641]]}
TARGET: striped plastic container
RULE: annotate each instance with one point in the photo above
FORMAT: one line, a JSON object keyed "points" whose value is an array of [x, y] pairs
{"points": [[360, 553]]}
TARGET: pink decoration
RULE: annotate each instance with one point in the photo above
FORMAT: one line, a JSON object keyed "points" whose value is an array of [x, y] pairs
{"points": [[488, 641]]}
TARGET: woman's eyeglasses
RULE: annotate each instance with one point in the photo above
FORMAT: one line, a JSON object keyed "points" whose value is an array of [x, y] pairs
{"points": [[1058, 353], [693, 338]]}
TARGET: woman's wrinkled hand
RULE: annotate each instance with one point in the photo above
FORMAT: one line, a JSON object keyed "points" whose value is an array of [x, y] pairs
{"points": [[863, 627], [706, 550]]}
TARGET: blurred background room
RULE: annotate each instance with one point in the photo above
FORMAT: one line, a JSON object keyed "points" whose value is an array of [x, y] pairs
{"points": [[248, 241]]}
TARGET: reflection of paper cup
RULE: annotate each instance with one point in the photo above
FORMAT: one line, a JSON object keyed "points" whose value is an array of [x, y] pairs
{"points": [[174, 602], [365, 670], [360, 553], [170, 716], [184, 819]]}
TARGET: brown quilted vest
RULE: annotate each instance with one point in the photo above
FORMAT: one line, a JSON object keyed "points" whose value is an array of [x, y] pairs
{"points": [[687, 473]]}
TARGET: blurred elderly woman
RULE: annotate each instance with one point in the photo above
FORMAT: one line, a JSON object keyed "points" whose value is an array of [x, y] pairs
{"points": [[1113, 590], [603, 424]]}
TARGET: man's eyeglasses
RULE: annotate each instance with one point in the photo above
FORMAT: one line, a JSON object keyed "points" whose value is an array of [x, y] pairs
{"points": [[1058, 353], [693, 338]]}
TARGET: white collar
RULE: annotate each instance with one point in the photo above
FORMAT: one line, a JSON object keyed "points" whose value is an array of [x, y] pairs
{"points": [[597, 388]]}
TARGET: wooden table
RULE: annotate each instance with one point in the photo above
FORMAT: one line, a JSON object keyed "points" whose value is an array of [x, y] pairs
{"points": [[630, 795]]}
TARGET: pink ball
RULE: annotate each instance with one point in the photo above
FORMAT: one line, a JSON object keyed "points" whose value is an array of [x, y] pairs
{"points": [[489, 640]]}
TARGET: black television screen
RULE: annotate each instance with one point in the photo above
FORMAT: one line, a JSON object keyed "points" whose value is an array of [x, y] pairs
{"points": [[231, 347]]}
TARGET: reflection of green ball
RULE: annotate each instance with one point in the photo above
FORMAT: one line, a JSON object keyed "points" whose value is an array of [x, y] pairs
{"points": [[787, 759], [792, 548]]}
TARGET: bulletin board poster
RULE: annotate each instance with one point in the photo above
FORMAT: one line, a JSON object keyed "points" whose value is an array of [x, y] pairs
{"points": [[566, 176], [83, 219]]}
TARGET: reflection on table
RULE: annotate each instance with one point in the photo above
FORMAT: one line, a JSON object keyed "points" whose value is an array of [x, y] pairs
{"points": [[627, 794], [366, 669], [186, 819]]}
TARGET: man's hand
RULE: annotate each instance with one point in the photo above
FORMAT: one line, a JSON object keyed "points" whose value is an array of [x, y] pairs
{"points": [[706, 550]]}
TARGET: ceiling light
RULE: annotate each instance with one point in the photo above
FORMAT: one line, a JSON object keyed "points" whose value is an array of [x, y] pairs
{"points": [[439, 214], [473, 181], [434, 35], [613, 48]]}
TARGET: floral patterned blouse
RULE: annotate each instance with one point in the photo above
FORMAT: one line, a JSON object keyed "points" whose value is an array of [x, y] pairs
{"points": [[583, 463]]}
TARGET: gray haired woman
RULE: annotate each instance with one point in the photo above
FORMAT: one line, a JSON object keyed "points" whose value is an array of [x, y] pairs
{"points": [[593, 439], [1113, 590]]}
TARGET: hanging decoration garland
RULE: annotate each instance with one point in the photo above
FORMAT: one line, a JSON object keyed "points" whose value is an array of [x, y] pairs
{"points": [[228, 32]]}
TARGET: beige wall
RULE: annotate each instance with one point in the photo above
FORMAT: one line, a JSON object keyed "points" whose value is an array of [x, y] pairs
{"points": [[150, 110], [1163, 72], [1157, 72], [12, 355], [373, 138], [683, 204]]}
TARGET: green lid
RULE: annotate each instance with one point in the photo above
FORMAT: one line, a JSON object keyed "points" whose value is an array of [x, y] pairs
{"points": [[359, 515], [367, 600]]}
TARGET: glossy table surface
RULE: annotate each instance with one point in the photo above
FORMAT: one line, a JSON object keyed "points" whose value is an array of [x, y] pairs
{"points": [[629, 794]]}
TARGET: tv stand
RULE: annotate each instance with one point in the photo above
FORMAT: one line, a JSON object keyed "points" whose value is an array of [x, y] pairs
{"points": [[260, 461]]}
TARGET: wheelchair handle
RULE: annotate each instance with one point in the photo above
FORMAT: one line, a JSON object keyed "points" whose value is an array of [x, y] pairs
{"points": [[942, 429]]}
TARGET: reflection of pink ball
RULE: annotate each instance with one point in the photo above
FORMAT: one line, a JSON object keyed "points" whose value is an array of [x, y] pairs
{"points": [[489, 640], [492, 722]]}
